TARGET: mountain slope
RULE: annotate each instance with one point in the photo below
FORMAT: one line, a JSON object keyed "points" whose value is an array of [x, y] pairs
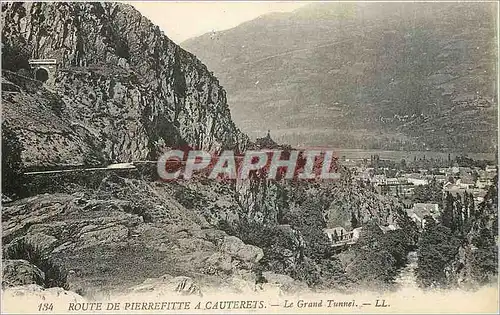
{"points": [[123, 90], [364, 75]]}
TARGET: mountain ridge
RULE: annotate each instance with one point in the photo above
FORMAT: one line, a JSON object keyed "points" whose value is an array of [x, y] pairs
{"points": [[346, 75]]}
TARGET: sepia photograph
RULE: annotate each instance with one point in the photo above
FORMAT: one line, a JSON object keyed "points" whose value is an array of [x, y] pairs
{"points": [[249, 157]]}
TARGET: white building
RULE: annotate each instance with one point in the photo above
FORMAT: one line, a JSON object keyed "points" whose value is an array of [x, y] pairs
{"points": [[336, 234]]}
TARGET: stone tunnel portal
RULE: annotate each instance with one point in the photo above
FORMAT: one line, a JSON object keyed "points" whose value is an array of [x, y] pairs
{"points": [[44, 70]]}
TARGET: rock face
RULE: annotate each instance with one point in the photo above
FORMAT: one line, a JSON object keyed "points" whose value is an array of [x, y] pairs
{"points": [[123, 91], [18, 272], [129, 230], [236, 248]]}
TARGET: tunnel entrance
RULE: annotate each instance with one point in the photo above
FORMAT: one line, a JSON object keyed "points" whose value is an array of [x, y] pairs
{"points": [[44, 70], [41, 75]]}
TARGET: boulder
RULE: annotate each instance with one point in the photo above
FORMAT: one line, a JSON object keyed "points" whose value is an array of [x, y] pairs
{"points": [[44, 243], [17, 272], [218, 263], [239, 250]]}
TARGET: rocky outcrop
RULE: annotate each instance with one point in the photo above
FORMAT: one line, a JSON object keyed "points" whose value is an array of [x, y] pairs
{"points": [[17, 272], [123, 91], [349, 198], [237, 249], [126, 231]]}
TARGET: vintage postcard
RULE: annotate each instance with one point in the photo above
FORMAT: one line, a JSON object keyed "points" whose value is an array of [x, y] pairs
{"points": [[249, 157]]}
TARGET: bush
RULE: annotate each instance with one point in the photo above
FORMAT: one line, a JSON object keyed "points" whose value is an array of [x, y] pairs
{"points": [[378, 256], [55, 276], [373, 267], [436, 249], [12, 166], [15, 57]]}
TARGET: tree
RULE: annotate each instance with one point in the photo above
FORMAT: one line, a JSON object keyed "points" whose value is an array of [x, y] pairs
{"points": [[484, 234], [15, 56], [436, 248], [372, 268], [403, 164], [472, 206], [377, 256], [458, 218], [354, 220], [447, 216], [371, 235], [12, 166], [466, 208], [431, 192]]}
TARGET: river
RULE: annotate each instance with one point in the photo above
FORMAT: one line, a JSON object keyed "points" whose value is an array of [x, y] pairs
{"points": [[407, 279]]}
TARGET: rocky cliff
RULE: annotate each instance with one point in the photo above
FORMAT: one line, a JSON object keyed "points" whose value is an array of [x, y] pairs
{"points": [[123, 91], [125, 231]]}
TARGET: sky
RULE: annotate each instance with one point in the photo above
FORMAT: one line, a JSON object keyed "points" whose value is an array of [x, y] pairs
{"points": [[186, 19]]}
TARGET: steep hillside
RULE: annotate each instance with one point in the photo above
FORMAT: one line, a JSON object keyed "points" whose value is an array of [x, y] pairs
{"points": [[365, 75], [123, 91]]}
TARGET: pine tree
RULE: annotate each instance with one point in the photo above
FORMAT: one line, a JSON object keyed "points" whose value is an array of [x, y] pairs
{"points": [[466, 208], [447, 216], [354, 220], [459, 219], [436, 248], [472, 207]]}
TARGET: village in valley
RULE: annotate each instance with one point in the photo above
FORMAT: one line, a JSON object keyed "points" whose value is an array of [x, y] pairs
{"points": [[422, 186]]}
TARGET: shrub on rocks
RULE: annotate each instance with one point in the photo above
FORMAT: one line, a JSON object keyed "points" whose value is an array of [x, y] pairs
{"points": [[55, 276], [18, 272]]}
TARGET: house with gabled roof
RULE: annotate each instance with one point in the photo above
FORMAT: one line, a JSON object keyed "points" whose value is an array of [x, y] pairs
{"points": [[420, 210]]}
